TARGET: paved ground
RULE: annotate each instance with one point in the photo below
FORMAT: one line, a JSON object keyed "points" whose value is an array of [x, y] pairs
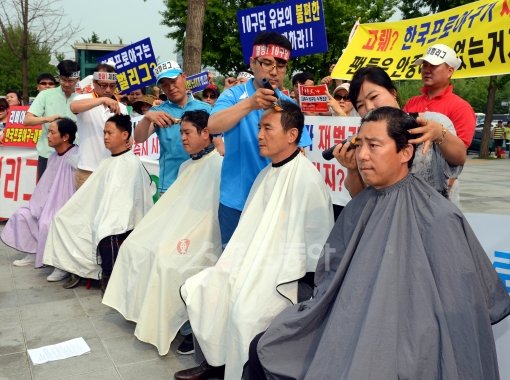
{"points": [[35, 313]]}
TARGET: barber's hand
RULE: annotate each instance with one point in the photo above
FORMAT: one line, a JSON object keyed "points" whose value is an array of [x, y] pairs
{"points": [[230, 82], [161, 119], [430, 130], [263, 98], [112, 104], [346, 157]]}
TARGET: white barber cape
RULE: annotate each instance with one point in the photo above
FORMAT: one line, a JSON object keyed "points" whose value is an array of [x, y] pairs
{"points": [[178, 238], [110, 202], [286, 220]]}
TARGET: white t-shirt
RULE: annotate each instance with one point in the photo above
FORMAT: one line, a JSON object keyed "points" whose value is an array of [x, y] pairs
{"points": [[90, 129]]}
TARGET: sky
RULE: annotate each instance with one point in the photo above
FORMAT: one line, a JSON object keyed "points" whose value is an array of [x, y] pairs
{"points": [[131, 20]]}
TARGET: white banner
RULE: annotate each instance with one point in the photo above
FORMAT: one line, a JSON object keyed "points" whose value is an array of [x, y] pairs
{"points": [[327, 131], [492, 231]]}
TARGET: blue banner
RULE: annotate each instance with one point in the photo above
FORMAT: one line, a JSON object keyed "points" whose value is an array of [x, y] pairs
{"points": [[134, 65], [197, 82], [301, 21]]}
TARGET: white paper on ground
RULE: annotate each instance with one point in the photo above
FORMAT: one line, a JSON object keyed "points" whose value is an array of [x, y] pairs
{"points": [[59, 351]]}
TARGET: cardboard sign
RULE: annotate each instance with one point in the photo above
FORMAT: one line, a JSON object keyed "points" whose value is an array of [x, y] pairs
{"points": [[313, 98], [301, 21], [15, 133], [134, 65]]}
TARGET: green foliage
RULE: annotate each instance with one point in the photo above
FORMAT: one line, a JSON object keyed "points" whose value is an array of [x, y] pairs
{"points": [[10, 67], [94, 39], [417, 8], [222, 48]]}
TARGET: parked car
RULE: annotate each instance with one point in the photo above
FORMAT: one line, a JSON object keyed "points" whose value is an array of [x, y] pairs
{"points": [[477, 140]]}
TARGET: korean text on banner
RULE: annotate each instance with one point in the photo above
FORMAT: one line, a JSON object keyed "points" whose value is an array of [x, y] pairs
{"points": [[477, 31], [313, 98], [134, 65], [197, 82], [15, 133], [327, 131], [301, 21]]}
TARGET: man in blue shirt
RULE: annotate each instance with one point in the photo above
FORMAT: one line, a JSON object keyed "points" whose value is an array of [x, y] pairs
{"points": [[164, 120], [236, 114]]}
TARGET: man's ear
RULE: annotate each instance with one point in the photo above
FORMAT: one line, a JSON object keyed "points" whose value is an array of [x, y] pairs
{"points": [[205, 133], [65, 137], [406, 153], [252, 63], [292, 135], [125, 135]]}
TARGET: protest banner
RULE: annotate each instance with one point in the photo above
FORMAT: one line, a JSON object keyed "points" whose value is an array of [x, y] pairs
{"points": [[492, 231], [327, 131], [313, 98], [301, 21], [197, 82], [15, 133], [478, 32], [134, 65]]}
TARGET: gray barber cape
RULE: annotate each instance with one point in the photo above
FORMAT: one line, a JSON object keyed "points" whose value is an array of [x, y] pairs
{"points": [[407, 293]]}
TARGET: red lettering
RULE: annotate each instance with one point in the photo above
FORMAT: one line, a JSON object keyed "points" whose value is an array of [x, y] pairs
{"points": [[12, 176]]}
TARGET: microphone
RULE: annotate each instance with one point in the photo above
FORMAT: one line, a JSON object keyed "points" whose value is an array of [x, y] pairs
{"points": [[328, 153]]}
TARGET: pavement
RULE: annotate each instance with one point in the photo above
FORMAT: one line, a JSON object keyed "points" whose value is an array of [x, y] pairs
{"points": [[36, 313]]}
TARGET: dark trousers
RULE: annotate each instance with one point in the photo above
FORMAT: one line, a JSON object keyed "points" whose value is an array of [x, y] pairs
{"points": [[108, 249], [42, 162], [228, 219]]}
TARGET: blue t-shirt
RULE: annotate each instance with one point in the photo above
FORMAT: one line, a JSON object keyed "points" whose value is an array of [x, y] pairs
{"points": [[242, 161], [172, 153]]}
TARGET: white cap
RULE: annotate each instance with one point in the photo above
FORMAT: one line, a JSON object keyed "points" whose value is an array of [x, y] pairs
{"points": [[343, 86], [169, 69], [438, 54]]}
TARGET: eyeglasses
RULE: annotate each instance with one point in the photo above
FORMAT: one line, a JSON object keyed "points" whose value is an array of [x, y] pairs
{"points": [[345, 98], [209, 96], [44, 83], [269, 66], [104, 86]]}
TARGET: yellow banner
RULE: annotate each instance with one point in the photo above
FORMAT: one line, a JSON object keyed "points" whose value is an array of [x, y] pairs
{"points": [[479, 33]]}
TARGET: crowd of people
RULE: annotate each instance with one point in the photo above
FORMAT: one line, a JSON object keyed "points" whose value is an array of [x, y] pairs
{"points": [[241, 255]]}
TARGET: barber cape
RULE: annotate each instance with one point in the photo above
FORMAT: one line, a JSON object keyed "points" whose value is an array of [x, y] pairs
{"points": [[27, 228], [178, 238], [286, 220], [407, 293], [110, 202]]}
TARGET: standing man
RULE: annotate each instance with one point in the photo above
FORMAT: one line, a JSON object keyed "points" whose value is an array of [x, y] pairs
{"points": [[437, 67], [92, 112], [498, 134], [164, 120], [45, 81], [236, 114], [51, 105]]}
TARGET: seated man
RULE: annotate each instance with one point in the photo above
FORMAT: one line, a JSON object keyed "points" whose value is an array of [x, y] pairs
{"points": [[90, 227], [404, 291], [27, 228], [178, 238], [288, 215]]}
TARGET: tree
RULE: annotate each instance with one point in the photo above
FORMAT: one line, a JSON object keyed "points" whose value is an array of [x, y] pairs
{"points": [[221, 45], [41, 24], [418, 8], [10, 69]]}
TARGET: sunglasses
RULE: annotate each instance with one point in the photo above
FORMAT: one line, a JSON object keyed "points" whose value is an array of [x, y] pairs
{"points": [[345, 98], [209, 96], [3, 108], [44, 83]]}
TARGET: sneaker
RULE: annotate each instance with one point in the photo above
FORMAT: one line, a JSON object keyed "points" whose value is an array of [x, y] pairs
{"points": [[186, 347], [73, 281], [57, 275], [25, 261]]}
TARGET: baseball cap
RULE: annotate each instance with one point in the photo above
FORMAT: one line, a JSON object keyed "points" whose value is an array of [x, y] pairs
{"points": [[438, 54], [343, 86], [213, 88], [146, 99], [168, 69]]}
